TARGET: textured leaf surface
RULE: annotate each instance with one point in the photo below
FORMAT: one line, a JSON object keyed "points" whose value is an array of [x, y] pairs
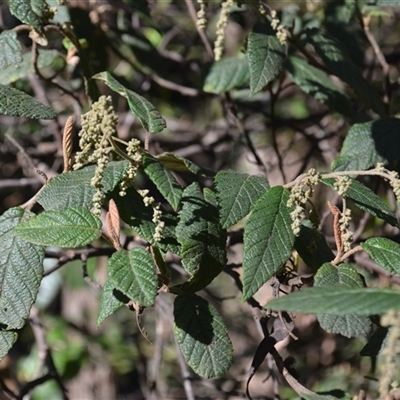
{"points": [[346, 325], [74, 189], [163, 179], [111, 300], [12, 74], [317, 84], [266, 56], [133, 211], [73, 227], [18, 104], [339, 300], [237, 194], [180, 164], [10, 50], [368, 143], [312, 247], [268, 239], [365, 199], [226, 75], [201, 236], [385, 252], [7, 339], [27, 12], [133, 273], [338, 61], [141, 108], [202, 336], [21, 271]]}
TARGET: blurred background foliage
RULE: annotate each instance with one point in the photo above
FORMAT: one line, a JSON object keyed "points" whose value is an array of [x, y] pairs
{"points": [[154, 48]]}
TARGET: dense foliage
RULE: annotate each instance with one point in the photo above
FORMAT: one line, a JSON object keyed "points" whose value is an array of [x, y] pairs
{"points": [[210, 169]]}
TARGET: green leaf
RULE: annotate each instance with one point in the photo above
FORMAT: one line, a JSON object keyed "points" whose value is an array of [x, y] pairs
{"points": [[29, 12], [226, 75], [111, 300], [133, 273], [365, 199], [268, 240], [346, 325], [340, 63], [163, 179], [202, 239], [73, 227], [73, 189], [312, 248], [339, 300], [237, 194], [7, 339], [10, 50], [61, 15], [12, 74], [376, 343], [141, 108], [317, 84], [266, 56], [202, 336], [18, 104], [368, 143], [21, 271], [180, 164], [133, 211], [385, 252]]}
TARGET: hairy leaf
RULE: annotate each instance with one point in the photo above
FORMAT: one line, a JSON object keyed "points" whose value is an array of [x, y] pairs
{"points": [[10, 50], [111, 300], [312, 247], [385, 252], [317, 84], [21, 271], [202, 336], [237, 194], [226, 75], [268, 239], [180, 164], [339, 62], [7, 339], [133, 211], [141, 108], [12, 74], [346, 325], [163, 179], [339, 300], [368, 143], [201, 236], [73, 189], [73, 227], [18, 104], [365, 199], [133, 273], [266, 56]]}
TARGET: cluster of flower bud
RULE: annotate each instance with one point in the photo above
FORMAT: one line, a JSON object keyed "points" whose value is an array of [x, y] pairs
{"points": [[220, 32], [135, 155], [276, 25], [299, 197], [157, 214], [201, 14], [347, 236], [342, 184], [98, 126]]}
